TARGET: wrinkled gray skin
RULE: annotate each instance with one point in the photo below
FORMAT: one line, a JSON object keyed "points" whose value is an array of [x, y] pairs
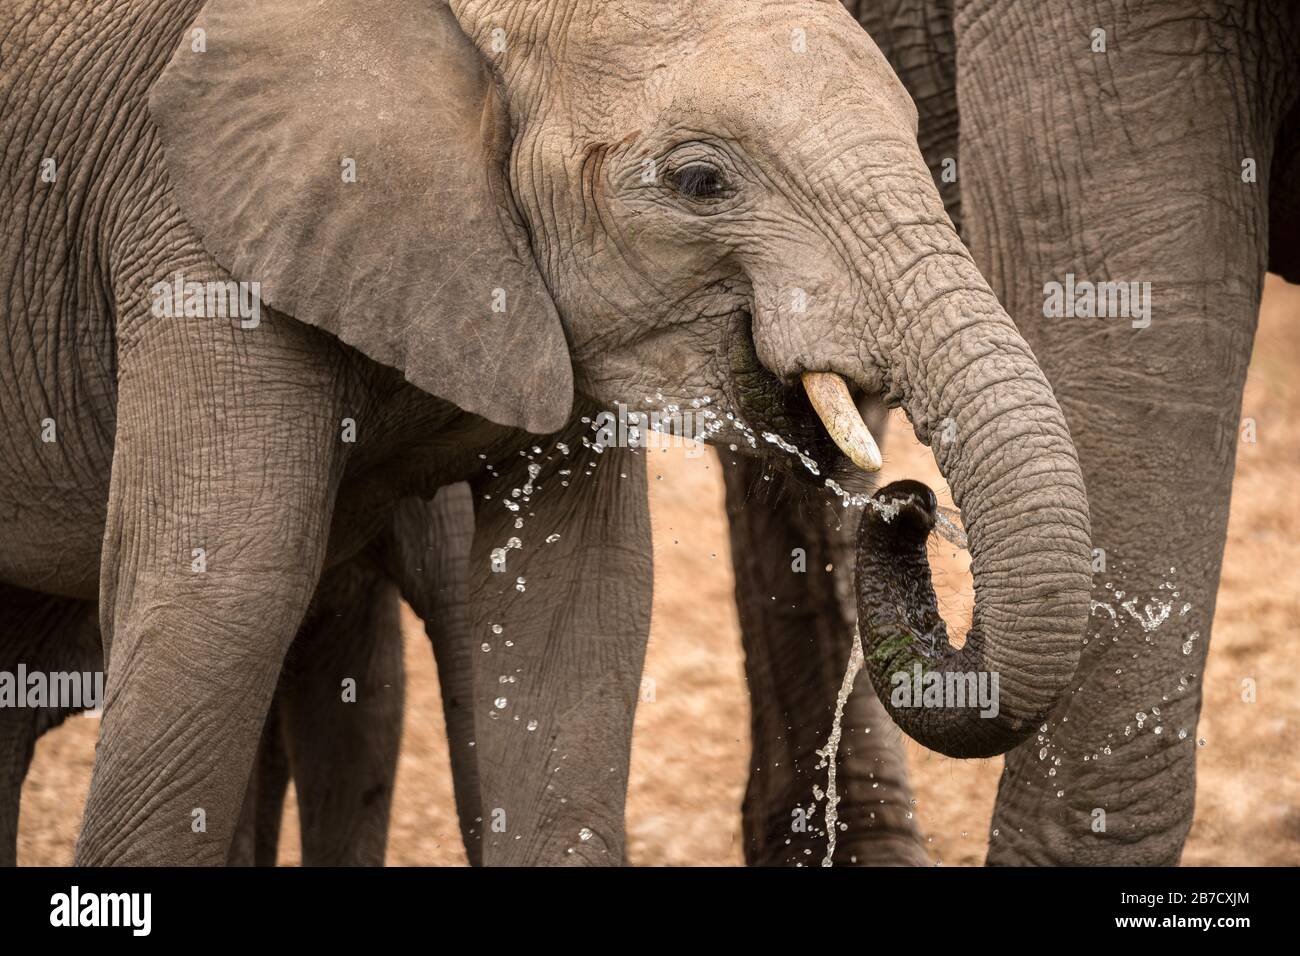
{"points": [[343, 761], [498, 248], [341, 755], [1117, 166]]}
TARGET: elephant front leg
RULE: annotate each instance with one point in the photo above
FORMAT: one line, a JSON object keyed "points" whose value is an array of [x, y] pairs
{"points": [[226, 459], [560, 613], [257, 835], [797, 640], [427, 552], [39, 634], [340, 708]]}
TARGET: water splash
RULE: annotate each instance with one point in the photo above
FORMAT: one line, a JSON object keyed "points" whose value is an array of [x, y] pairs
{"points": [[790, 449], [1152, 615], [847, 498], [947, 521], [831, 750], [947, 526]]}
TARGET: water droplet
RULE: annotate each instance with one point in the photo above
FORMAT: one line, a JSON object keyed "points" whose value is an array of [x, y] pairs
{"points": [[947, 526]]}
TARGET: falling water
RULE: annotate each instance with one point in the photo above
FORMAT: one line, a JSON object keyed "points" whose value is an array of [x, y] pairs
{"points": [[947, 521], [830, 752], [947, 527]]}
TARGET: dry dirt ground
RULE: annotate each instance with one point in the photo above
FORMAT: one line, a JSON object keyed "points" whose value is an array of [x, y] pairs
{"points": [[691, 744]]}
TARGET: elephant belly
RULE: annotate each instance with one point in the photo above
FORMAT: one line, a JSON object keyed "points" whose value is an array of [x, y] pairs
{"points": [[56, 453]]}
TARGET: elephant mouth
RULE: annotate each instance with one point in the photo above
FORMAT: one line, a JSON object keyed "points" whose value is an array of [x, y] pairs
{"points": [[810, 429]]}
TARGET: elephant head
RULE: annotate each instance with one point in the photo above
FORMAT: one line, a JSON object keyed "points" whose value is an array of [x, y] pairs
{"points": [[510, 201]]}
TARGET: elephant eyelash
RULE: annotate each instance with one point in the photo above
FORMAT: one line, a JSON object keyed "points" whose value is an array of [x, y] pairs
{"points": [[699, 182]]}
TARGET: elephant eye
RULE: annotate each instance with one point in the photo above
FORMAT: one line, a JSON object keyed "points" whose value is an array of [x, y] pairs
{"points": [[699, 181]]}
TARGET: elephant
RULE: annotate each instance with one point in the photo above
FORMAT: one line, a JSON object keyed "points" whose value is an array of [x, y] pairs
{"points": [[1142, 143], [269, 275]]}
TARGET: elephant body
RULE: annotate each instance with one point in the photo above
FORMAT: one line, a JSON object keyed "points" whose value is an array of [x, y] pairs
{"points": [[80, 340], [267, 277]]}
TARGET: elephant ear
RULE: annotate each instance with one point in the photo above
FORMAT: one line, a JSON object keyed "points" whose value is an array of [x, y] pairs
{"points": [[350, 156]]}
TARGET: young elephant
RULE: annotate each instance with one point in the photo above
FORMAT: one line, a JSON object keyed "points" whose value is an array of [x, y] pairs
{"points": [[457, 227]]}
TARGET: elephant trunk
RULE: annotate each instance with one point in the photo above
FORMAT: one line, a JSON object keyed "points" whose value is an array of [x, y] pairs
{"points": [[975, 394], [890, 301]]}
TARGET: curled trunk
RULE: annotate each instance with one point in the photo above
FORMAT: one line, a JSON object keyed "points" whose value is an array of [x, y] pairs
{"points": [[978, 397], [895, 306]]}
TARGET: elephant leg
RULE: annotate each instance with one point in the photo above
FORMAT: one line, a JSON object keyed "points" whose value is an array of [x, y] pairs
{"points": [[19, 728], [340, 708], [1063, 183], [226, 461], [796, 628], [339, 744], [427, 554], [560, 631], [272, 775], [42, 635], [257, 836]]}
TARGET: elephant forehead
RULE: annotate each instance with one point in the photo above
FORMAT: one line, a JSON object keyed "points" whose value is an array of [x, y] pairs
{"points": [[748, 67], [639, 21]]}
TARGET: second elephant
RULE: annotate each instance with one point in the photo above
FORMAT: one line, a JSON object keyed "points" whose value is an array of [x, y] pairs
{"points": [[294, 270], [1116, 147]]}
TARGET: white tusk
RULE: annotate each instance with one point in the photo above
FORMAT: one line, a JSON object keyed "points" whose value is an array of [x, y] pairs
{"points": [[831, 401]]}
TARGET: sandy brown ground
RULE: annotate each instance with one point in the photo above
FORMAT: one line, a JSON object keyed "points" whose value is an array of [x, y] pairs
{"points": [[691, 745]]}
